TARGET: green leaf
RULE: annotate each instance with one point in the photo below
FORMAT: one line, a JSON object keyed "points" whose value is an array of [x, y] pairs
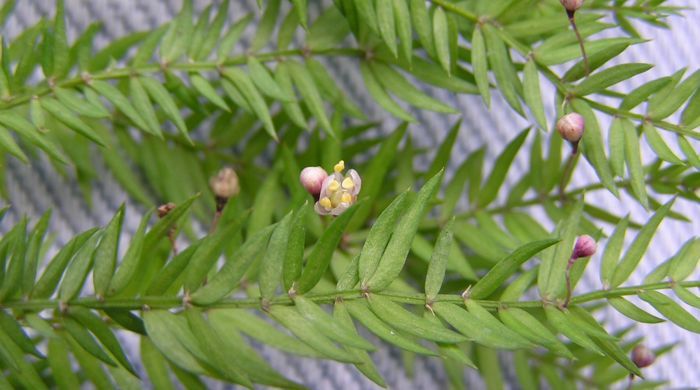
{"points": [[86, 341], [489, 191], [294, 252], [70, 100], [60, 42], [263, 331], [48, 281], [231, 273], [636, 250], [629, 310], [12, 328], [162, 329], [550, 279], [265, 83], [328, 326], [121, 102], [33, 253], [8, 143], [198, 32], [664, 104], [531, 92], [658, 144], [441, 39], [78, 269], [381, 96], [206, 255], [386, 24], [671, 310], [306, 332], [291, 108], [104, 334], [438, 262], [155, 365], [143, 105], [370, 321], [60, 112], [613, 250], [311, 95], [506, 267], [24, 371], [244, 356], [60, 364], [252, 97], [178, 37], [616, 140], [272, 262], [685, 262], [367, 366], [300, 7], [593, 147], [205, 88], [26, 130], [641, 93], [229, 40], [106, 253], [526, 325], [328, 30], [221, 359], [393, 81], [562, 322], [131, 262], [472, 327], [634, 161], [686, 296], [402, 19], [503, 69], [319, 259], [598, 82], [405, 321], [162, 97], [597, 59], [144, 54], [266, 25], [399, 244], [423, 25]]}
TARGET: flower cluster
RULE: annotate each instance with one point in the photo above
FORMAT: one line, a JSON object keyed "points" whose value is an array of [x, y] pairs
{"points": [[334, 193]]}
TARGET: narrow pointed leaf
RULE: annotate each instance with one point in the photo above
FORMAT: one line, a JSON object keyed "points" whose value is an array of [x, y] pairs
{"points": [[438, 262], [500, 169], [326, 324], [57, 110], [162, 97], [671, 310], [106, 253], [629, 310]]}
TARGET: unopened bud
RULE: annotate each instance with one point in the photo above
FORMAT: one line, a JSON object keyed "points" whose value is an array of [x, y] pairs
{"points": [[312, 179], [225, 183], [585, 247], [571, 5], [643, 356], [164, 209], [571, 127]]}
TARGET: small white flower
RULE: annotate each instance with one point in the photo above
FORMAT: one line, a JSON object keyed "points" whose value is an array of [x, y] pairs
{"points": [[225, 184], [338, 191]]}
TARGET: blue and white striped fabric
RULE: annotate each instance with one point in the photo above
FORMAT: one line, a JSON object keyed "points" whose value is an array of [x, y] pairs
{"points": [[33, 189]]}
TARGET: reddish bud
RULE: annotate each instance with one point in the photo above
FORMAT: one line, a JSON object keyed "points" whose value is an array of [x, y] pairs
{"points": [[585, 247], [643, 356], [572, 5], [164, 209], [571, 127], [312, 179]]}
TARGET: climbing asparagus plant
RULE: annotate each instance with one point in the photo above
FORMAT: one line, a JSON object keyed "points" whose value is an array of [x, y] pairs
{"points": [[434, 263]]}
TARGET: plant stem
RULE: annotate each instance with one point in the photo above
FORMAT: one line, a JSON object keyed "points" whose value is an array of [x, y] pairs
{"points": [[251, 303], [572, 20]]}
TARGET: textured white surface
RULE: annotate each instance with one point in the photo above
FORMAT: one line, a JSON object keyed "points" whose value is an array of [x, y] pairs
{"points": [[34, 189]]}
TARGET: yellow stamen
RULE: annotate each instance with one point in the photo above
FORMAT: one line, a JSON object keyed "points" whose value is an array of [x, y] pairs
{"points": [[348, 184], [340, 166], [325, 202], [347, 198], [333, 186]]}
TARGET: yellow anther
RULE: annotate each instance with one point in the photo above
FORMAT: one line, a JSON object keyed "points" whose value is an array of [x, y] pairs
{"points": [[340, 166], [325, 202], [348, 184], [346, 198], [333, 186]]}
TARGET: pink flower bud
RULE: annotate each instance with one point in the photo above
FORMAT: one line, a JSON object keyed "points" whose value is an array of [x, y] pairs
{"points": [[585, 247], [643, 356], [312, 179], [571, 127], [225, 184], [571, 5]]}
